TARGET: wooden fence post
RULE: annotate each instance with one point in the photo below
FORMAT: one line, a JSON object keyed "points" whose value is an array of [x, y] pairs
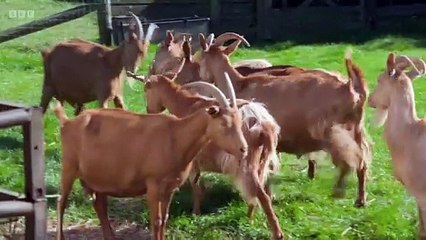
{"points": [[368, 13], [263, 30], [105, 22]]}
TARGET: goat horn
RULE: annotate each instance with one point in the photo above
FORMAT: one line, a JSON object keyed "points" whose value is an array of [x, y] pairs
{"points": [[139, 30], [150, 31], [230, 89], [210, 39], [220, 40], [207, 88], [418, 65]]}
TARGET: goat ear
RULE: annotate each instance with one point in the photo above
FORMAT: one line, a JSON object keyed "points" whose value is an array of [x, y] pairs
{"points": [[203, 42], [390, 64], [355, 75], [213, 111], [169, 38], [232, 47], [187, 50]]}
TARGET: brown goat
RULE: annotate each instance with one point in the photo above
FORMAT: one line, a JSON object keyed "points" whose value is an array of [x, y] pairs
{"points": [[78, 71], [333, 124], [94, 152], [172, 51], [404, 132], [250, 173]]}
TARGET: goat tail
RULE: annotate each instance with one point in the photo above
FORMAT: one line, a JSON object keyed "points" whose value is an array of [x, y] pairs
{"points": [[365, 143], [60, 113], [46, 62]]}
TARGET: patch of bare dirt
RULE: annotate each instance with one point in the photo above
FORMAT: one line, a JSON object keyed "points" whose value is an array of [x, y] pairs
{"points": [[14, 230]]}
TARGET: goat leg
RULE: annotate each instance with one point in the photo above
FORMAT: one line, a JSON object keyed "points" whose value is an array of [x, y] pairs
{"points": [[362, 178], [340, 187], [100, 205], [119, 102], [103, 102], [266, 204], [422, 221], [67, 180], [197, 193], [153, 200], [46, 97], [79, 107], [250, 212], [165, 206], [312, 164]]}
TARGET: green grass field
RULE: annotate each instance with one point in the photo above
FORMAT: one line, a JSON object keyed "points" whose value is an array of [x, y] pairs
{"points": [[305, 208]]}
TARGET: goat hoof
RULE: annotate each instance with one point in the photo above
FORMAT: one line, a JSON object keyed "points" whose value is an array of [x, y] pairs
{"points": [[360, 203], [279, 236], [339, 193]]}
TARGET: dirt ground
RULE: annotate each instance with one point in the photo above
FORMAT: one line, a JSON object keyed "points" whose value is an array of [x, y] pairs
{"points": [[87, 231]]}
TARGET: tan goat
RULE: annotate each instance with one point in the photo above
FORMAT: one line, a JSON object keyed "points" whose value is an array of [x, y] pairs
{"points": [[320, 110], [249, 174], [78, 71], [94, 151], [404, 132]]}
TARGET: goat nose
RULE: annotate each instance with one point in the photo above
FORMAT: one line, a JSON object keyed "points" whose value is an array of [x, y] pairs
{"points": [[243, 149]]}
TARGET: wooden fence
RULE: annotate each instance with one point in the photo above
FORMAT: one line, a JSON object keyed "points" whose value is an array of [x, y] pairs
{"points": [[255, 19], [32, 204]]}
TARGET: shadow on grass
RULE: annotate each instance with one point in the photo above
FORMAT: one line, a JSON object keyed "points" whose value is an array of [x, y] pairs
{"points": [[135, 209], [10, 143], [408, 27]]}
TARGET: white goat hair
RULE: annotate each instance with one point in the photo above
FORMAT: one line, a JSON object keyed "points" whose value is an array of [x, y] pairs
{"points": [[253, 63], [230, 165]]}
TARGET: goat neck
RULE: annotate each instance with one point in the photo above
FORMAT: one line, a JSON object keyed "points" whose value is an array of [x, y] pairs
{"points": [[402, 114], [219, 78], [181, 102], [114, 60], [190, 133]]}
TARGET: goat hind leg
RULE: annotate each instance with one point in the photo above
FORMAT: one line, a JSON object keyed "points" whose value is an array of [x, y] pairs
{"points": [[165, 206], [67, 180], [197, 193], [153, 200], [100, 205], [312, 164], [340, 187], [422, 220]]}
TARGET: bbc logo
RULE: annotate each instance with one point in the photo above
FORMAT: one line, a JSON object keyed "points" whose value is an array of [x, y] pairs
{"points": [[21, 13]]}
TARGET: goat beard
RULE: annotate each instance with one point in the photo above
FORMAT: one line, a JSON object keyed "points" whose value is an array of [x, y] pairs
{"points": [[380, 116]]}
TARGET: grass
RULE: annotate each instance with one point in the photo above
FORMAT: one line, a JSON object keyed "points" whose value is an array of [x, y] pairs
{"points": [[305, 208]]}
